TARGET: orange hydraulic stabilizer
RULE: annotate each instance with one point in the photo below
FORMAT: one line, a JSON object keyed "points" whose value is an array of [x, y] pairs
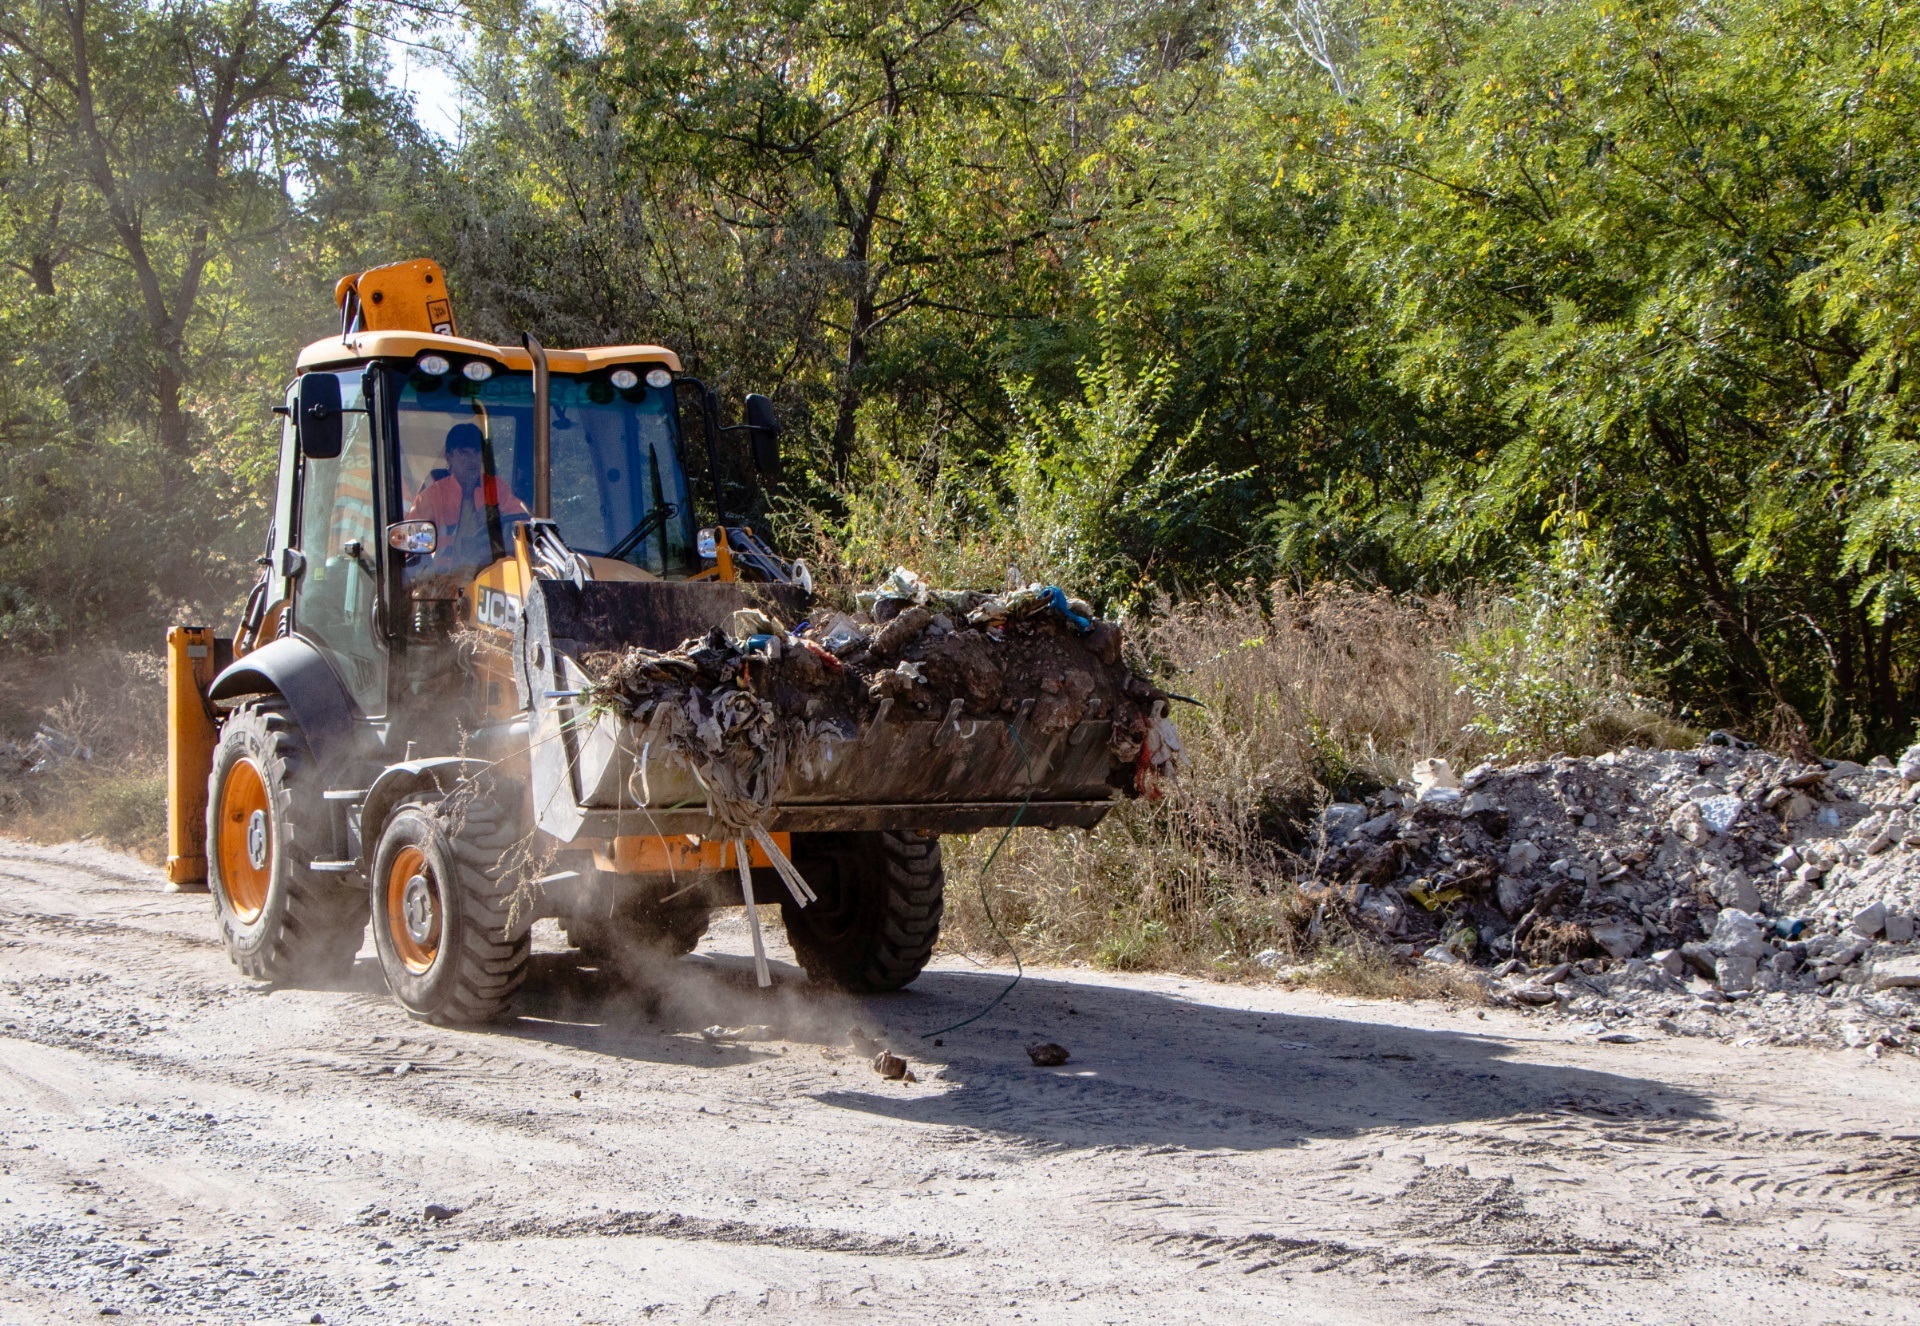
{"points": [[402, 296], [190, 738]]}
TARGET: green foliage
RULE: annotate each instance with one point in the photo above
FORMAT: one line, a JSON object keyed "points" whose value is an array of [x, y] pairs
{"points": [[1544, 668], [1138, 295]]}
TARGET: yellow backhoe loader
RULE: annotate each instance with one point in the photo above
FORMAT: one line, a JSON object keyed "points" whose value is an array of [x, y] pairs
{"points": [[394, 732]]}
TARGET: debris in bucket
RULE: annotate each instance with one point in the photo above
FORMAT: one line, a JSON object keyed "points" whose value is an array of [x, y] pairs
{"points": [[1047, 1055], [1717, 891], [743, 706]]}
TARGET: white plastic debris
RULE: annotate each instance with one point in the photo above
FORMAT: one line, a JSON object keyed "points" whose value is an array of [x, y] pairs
{"points": [[1434, 773]]}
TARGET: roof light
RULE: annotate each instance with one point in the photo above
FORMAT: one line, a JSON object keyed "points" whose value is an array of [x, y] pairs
{"points": [[433, 365], [625, 379], [476, 370], [660, 378]]}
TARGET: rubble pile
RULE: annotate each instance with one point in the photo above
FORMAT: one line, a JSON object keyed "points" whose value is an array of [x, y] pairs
{"points": [[1721, 890], [742, 703]]}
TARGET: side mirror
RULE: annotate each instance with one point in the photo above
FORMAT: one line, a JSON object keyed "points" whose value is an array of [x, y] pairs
{"points": [[763, 429], [318, 420]]}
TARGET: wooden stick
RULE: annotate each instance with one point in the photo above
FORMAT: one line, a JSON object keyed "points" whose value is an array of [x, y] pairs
{"points": [[788, 872], [760, 975]]}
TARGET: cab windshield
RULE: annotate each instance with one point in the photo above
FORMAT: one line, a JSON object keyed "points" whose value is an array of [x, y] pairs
{"points": [[465, 459]]}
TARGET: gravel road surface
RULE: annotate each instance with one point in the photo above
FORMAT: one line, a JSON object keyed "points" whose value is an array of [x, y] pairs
{"points": [[176, 1142]]}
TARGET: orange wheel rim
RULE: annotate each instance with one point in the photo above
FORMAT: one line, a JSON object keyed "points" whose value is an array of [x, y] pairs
{"points": [[245, 841], [413, 909]]}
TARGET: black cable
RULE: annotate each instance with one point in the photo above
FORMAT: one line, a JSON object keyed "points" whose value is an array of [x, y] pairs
{"points": [[1019, 970]]}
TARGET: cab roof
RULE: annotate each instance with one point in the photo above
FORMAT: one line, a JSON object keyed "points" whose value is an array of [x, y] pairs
{"points": [[357, 347]]}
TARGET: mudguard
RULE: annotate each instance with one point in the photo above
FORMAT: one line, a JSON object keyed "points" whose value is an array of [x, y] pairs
{"points": [[398, 781], [297, 671]]}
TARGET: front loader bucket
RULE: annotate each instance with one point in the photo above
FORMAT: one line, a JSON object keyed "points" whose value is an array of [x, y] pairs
{"points": [[593, 779]]}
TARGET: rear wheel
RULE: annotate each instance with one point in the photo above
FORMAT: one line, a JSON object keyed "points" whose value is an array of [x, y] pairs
{"points": [[443, 917], [279, 919], [877, 916]]}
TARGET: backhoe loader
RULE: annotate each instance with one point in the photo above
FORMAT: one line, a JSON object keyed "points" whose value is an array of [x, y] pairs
{"points": [[394, 734]]}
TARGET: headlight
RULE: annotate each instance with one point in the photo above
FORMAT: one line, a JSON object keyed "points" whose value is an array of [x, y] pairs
{"points": [[433, 365], [625, 379], [476, 370], [659, 379]]}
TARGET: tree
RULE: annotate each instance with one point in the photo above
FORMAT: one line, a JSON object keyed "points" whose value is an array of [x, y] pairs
{"points": [[166, 120]]}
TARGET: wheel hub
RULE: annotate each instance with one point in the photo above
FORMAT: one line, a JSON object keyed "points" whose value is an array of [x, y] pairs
{"points": [[257, 839], [416, 906]]}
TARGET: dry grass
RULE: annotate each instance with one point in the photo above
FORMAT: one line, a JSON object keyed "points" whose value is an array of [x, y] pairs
{"points": [[112, 704], [1303, 699]]}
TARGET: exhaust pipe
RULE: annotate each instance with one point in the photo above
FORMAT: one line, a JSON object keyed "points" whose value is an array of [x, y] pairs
{"points": [[542, 430]]}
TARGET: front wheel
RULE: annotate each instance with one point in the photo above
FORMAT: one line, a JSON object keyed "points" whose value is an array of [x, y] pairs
{"points": [[445, 929], [874, 924]]}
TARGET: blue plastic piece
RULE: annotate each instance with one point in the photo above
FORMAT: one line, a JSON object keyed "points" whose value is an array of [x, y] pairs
{"points": [[1056, 597]]}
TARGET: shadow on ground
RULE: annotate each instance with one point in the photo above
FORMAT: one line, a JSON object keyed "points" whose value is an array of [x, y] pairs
{"points": [[1148, 1068]]}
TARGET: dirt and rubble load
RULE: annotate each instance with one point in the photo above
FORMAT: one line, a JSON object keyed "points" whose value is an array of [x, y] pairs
{"points": [[743, 706], [1719, 889]]}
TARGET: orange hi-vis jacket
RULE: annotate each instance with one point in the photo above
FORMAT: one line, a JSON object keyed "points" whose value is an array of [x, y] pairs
{"points": [[440, 502]]}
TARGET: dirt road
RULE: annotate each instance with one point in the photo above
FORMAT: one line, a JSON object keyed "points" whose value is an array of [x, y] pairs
{"points": [[177, 1143]]}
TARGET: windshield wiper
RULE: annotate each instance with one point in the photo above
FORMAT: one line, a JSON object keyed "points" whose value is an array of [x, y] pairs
{"points": [[650, 523]]}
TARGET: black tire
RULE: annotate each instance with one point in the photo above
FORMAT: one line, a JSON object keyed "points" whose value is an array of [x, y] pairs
{"points": [[280, 920], [877, 916], [670, 934], [465, 956]]}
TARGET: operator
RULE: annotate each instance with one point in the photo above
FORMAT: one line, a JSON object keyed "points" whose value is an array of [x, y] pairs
{"points": [[462, 504]]}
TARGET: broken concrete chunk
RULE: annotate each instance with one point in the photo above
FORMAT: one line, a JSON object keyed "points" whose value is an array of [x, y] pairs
{"points": [[1735, 972], [1870, 920], [1699, 957], [888, 1064], [1621, 939], [1735, 890], [1909, 764], [1672, 962], [1898, 929], [1688, 824], [1339, 820], [1897, 973], [1720, 812], [1737, 934], [1513, 895], [1380, 825], [1046, 1054]]}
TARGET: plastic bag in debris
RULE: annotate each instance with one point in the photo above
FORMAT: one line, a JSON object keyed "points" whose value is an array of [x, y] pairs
{"points": [[1163, 742], [1036, 598], [903, 584], [839, 633], [748, 622]]}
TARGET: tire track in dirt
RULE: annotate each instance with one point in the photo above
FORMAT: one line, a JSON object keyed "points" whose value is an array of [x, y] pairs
{"points": [[1210, 1153]]}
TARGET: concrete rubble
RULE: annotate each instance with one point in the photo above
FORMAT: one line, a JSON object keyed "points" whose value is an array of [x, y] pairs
{"points": [[1720, 891]]}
